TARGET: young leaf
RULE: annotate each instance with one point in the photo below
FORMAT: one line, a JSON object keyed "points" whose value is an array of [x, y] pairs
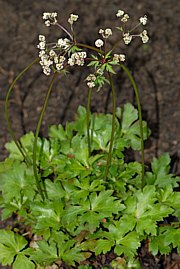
{"points": [[22, 261]]}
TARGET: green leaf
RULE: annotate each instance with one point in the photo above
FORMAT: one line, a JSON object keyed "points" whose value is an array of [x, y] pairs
{"points": [[80, 148], [105, 203], [27, 142], [129, 115], [46, 253], [160, 169], [22, 261], [128, 245], [6, 255], [103, 246], [10, 245]]}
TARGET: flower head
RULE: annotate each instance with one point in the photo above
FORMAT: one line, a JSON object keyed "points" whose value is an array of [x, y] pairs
{"points": [[105, 33], [63, 43], [99, 43], [143, 20], [77, 58], [127, 38], [50, 18], [91, 81], [117, 58], [72, 18], [120, 13], [144, 36], [125, 18]]}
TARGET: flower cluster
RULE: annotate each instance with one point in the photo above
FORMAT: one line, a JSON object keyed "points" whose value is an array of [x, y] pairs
{"points": [[117, 58], [105, 33], [127, 37], [72, 18], [91, 81], [64, 44], [99, 43], [77, 58], [50, 18], [66, 52], [122, 14]]}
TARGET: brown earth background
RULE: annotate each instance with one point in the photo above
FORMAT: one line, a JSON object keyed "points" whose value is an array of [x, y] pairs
{"points": [[155, 67]]}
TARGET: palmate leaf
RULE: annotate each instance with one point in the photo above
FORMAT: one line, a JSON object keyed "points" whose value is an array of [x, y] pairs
{"points": [[27, 142], [80, 149], [66, 248], [10, 245], [105, 203], [16, 183], [22, 261], [46, 253], [47, 214], [160, 172], [103, 246], [167, 238], [128, 245], [130, 129]]}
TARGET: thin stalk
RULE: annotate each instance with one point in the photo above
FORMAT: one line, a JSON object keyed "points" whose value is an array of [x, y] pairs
{"points": [[88, 119], [140, 118], [89, 47], [36, 175], [18, 144], [113, 127]]}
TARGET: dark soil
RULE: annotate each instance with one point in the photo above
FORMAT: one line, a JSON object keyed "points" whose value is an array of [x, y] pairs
{"points": [[155, 67]]}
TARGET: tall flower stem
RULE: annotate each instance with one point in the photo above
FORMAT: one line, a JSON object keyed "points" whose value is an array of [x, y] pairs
{"points": [[18, 144], [113, 127], [36, 175], [140, 118], [88, 119]]}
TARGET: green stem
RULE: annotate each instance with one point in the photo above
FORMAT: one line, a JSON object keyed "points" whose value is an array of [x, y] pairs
{"points": [[38, 182], [89, 47], [88, 119], [113, 127], [140, 118], [18, 144]]}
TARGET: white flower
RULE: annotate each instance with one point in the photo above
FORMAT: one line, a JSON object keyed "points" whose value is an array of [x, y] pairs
{"points": [[119, 58], [120, 13], [91, 77], [50, 18], [125, 18], [47, 71], [42, 38], [91, 81], [77, 58], [41, 53], [72, 18], [144, 36], [41, 45], [99, 43], [52, 53], [105, 33], [71, 61], [91, 84], [47, 23], [143, 20], [127, 38], [63, 43]]}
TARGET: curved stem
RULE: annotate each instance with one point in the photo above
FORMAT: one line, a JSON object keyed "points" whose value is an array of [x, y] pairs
{"points": [[65, 30], [18, 144], [140, 118], [89, 47], [88, 119], [113, 127], [38, 182]]}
